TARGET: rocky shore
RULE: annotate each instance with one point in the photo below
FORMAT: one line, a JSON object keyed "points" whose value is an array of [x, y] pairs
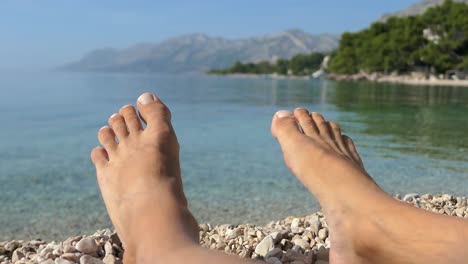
{"points": [[414, 78], [294, 240]]}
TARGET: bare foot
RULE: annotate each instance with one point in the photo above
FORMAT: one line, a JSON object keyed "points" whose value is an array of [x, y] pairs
{"points": [[139, 177], [366, 224]]}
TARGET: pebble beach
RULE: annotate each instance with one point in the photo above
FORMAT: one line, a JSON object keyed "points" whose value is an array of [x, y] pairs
{"points": [[294, 240]]}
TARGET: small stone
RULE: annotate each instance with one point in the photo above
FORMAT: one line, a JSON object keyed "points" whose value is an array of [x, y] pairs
{"points": [[71, 257], [447, 197], [265, 246], [246, 253], [297, 248], [63, 261], [233, 233], [115, 239], [295, 223], [323, 233], [49, 261], [323, 254], [309, 258], [273, 260], [259, 234], [12, 245], [85, 259], [302, 243], [292, 255], [57, 252], [46, 251], [110, 259], [50, 255], [276, 252], [410, 197], [69, 249], [17, 255], [108, 249], [277, 236], [204, 227], [286, 244], [87, 245]]}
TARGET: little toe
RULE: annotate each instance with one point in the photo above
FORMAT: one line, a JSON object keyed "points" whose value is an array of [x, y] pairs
{"points": [[306, 122], [131, 119], [117, 122], [99, 157], [352, 150], [106, 137], [154, 112]]}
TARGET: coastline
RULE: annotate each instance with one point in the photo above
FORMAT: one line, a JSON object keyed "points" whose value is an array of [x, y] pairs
{"points": [[409, 79], [292, 240]]}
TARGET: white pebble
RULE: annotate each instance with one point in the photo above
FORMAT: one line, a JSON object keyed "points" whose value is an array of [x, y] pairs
{"points": [[87, 245]]}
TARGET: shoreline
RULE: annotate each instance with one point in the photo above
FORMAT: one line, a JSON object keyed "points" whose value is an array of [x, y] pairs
{"points": [[293, 239], [409, 79]]}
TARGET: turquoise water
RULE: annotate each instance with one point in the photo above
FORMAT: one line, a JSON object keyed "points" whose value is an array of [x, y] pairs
{"points": [[412, 139]]}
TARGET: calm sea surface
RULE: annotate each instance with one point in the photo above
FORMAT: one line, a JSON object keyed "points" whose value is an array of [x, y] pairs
{"points": [[412, 139]]}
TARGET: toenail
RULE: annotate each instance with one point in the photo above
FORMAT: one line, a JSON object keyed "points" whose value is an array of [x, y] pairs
{"points": [[283, 113], [146, 98], [113, 115]]}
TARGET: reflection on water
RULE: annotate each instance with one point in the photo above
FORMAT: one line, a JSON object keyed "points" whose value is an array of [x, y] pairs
{"points": [[412, 139], [425, 120]]}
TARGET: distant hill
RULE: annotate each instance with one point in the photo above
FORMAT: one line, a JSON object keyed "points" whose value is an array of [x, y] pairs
{"points": [[200, 52], [417, 9]]}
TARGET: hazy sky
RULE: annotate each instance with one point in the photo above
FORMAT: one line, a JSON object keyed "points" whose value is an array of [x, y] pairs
{"points": [[47, 33]]}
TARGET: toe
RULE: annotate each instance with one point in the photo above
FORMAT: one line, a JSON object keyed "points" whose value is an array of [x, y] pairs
{"points": [[153, 111], [352, 149], [284, 125], [306, 122], [99, 157], [117, 122], [106, 137], [336, 132], [131, 119], [322, 125]]}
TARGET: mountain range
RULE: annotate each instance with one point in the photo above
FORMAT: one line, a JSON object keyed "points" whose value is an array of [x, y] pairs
{"points": [[200, 52], [417, 9]]}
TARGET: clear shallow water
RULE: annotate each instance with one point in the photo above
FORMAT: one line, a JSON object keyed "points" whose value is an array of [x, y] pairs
{"points": [[412, 139]]}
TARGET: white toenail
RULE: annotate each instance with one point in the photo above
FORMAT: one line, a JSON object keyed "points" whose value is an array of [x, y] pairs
{"points": [[284, 113], [146, 98]]}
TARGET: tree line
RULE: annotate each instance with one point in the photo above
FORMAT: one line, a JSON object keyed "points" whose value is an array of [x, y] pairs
{"points": [[435, 41], [300, 65]]}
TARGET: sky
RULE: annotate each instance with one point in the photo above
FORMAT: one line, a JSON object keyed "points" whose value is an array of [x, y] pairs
{"points": [[47, 33]]}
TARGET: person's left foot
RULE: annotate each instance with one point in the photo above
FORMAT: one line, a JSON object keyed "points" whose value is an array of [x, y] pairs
{"points": [[140, 179]]}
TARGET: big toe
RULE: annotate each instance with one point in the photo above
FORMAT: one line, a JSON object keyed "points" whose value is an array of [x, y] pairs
{"points": [[285, 129], [153, 111]]}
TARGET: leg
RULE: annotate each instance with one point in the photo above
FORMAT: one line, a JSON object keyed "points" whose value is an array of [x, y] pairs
{"points": [[366, 224], [141, 184]]}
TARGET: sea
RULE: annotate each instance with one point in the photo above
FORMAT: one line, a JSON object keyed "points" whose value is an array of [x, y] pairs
{"points": [[413, 139]]}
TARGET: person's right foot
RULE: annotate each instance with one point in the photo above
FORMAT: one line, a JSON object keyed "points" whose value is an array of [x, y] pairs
{"points": [[366, 224]]}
